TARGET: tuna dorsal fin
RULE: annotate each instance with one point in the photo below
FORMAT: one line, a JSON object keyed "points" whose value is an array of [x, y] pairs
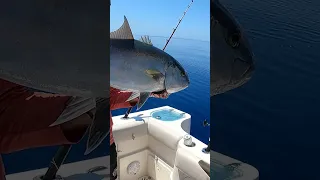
{"points": [[146, 39], [124, 32]]}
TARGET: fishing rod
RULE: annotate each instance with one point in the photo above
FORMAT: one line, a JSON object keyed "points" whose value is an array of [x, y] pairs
{"points": [[174, 29], [56, 162], [167, 42]]}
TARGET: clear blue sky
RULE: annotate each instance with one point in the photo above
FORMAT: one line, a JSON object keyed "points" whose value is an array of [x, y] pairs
{"points": [[159, 17]]}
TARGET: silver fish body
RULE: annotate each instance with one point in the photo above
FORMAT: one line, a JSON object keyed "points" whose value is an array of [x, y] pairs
{"points": [[232, 63], [129, 65], [139, 67]]}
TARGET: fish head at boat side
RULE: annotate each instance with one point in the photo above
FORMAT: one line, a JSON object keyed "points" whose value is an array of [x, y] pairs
{"points": [[138, 66], [232, 62]]}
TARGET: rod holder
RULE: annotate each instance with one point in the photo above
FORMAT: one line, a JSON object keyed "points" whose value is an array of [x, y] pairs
{"points": [[207, 149], [127, 113], [56, 162]]}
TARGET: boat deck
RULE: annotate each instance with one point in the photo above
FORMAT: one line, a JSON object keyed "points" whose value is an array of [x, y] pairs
{"points": [[72, 171], [222, 167]]}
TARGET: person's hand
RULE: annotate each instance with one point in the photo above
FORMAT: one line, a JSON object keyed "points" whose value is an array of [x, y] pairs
{"points": [[163, 95]]}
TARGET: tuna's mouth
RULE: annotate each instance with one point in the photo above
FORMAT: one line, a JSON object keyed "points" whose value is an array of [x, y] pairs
{"points": [[161, 92]]}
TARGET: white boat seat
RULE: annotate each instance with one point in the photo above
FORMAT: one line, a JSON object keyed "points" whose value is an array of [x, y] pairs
{"points": [[164, 134], [186, 166]]}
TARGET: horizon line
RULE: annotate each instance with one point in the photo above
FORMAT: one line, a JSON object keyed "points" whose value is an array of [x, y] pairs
{"points": [[174, 38]]}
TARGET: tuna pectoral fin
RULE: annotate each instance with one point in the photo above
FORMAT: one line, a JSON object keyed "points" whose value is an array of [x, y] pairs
{"points": [[133, 96], [143, 98], [100, 127], [75, 108], [154, 74]]}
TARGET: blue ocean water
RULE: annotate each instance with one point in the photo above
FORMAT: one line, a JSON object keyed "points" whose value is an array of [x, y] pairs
{"points": [[273, 121], [195, 100], [194, 55]]}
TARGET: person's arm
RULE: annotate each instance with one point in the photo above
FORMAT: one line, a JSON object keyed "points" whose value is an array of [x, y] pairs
{"points": [[118, 99], [124, 104], [121, 102], [20, 105]]}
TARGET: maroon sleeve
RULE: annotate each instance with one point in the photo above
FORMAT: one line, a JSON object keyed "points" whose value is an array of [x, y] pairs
{"points": [[25, 117], [118, 99]]}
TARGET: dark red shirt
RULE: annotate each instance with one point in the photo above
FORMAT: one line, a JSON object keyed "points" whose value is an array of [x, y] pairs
{"points": [[25, 116]]}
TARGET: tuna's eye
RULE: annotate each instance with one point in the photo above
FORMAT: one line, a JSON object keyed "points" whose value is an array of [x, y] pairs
{"points": [[233, 40], [183, 74]]}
